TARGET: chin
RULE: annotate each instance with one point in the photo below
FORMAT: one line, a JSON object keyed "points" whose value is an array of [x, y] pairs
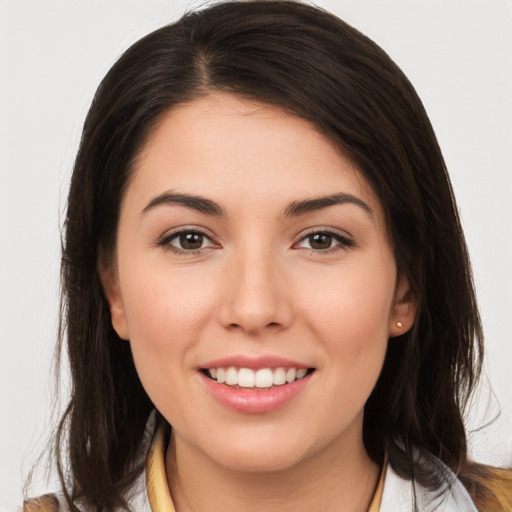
{"points": [[259, 456], [267, 462]]}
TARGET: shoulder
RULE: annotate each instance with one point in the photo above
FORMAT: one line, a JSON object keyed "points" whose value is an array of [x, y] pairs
{"points": [[46, 503], [135, 495], [136, 498], [478, 488], [490, 487], [400, 494]]}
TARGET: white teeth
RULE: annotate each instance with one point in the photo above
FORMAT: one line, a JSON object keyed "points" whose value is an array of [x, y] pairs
{"points": [[279, 376], [290, 374], [221, 375], [301, 373], [262, 378], [231, 376], [246, 378]]}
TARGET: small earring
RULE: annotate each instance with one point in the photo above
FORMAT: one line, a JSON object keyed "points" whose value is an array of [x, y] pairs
{"points": [[399, 325]]}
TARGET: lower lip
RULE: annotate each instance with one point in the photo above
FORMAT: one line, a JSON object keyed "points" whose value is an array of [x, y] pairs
{"points": [[255, 402]]}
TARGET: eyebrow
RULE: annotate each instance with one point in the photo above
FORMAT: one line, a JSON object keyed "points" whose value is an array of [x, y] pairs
{"points": [[304, 206], [294, 209], [193, 202]]}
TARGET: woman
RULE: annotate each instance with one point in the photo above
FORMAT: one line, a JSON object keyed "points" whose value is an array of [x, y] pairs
{"points": [[268, 300]]}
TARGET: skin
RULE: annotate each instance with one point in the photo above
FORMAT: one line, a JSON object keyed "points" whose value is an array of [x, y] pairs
{"points": [[258, 286]]}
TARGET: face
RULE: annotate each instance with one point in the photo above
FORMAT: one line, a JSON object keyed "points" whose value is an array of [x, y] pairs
{"points": [[256, 284]]}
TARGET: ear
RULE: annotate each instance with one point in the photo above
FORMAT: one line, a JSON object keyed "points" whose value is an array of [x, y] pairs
{"points": [[110, 283], [403, 312]]}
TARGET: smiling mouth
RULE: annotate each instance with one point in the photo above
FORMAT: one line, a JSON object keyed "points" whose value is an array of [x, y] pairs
{"points": [[260, 379]]}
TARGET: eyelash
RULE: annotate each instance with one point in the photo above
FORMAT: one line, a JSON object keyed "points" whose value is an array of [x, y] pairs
{"points": [[344, 242], [165, 242]]}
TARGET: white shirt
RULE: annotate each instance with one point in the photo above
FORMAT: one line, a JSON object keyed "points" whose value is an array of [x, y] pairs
{"points": [[150, 492]]}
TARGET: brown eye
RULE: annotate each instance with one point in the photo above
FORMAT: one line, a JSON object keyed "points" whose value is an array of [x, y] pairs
{"points": [[320, 241], [325, 241], [191, 241], [187, 241]]}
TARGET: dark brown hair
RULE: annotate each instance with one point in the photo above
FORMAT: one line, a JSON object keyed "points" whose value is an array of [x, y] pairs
{"points": [[310, 63]]}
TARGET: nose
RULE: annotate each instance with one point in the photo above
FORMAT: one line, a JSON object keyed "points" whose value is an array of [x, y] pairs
{"points": [[256, 297]]}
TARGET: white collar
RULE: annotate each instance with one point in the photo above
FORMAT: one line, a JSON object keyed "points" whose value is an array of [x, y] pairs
{"points": [[398, 494]]}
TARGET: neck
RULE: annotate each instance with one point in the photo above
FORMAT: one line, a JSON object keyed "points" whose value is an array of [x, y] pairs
{"points": [[338, 478]]}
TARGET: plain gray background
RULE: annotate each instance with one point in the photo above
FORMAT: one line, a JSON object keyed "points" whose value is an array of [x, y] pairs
{"points": [[53, 53]]}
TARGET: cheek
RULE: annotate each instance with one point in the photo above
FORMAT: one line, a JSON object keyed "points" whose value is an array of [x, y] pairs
{"points": [[349, 311], [353, 303], [161, 302], [165, 314]]}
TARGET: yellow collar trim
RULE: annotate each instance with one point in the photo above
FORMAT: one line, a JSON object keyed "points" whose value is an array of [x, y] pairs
{"points": [[377, 497], [158, 491], [156, 481]]}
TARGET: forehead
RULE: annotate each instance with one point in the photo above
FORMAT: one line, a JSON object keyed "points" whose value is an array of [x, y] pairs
{"points": [[227, 148]]}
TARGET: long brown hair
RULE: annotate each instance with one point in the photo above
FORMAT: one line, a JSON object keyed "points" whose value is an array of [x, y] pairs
{"points": [[312, 64]]}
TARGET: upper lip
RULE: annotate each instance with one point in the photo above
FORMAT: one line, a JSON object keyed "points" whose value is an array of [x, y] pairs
{"points": [[243, 361]]}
